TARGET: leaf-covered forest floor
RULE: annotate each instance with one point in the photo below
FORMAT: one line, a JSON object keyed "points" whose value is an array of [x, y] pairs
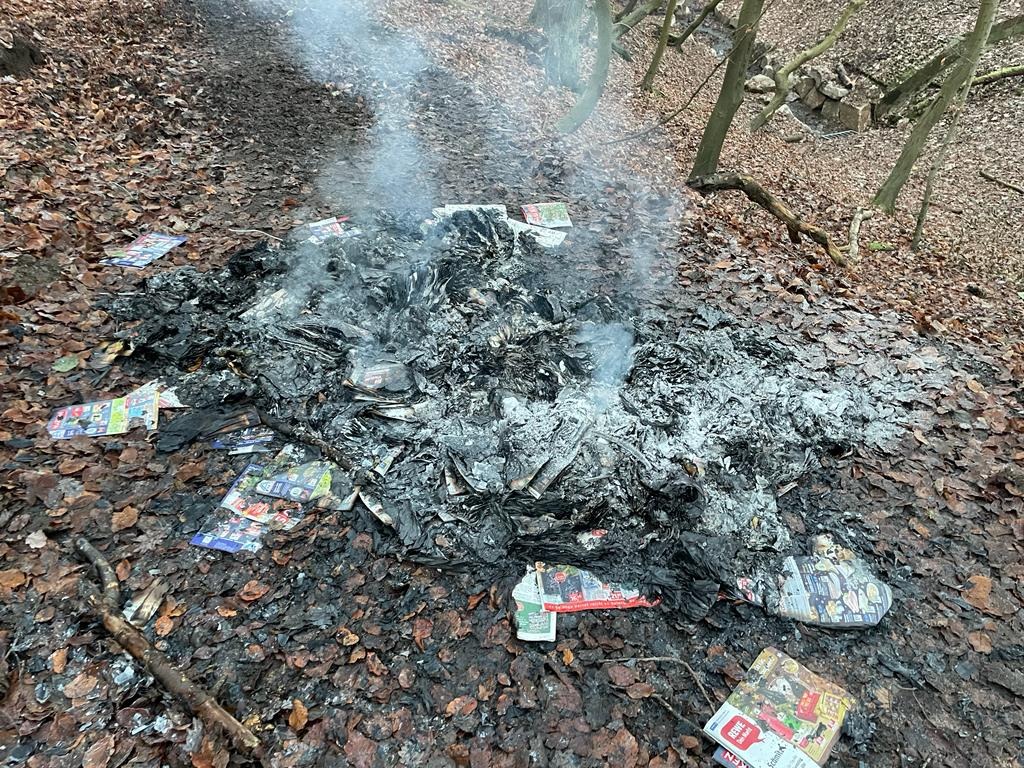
{"points": [[203, 118]]}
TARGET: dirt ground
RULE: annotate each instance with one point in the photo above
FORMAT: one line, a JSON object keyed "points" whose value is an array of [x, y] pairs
{"points": [[209, 118]]}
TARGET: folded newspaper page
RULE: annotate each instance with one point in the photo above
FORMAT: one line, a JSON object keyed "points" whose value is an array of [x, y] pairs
{"points": [[781, 715], [724, 757], [830, 587]]}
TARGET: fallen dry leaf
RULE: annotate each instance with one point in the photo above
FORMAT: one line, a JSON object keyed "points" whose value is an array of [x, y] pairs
{"points": [[640, 690], [980, 642], [36, 540], [979, 589], [620, 675], [81, 686], [163, 625], [59, 660], [253, 590], [11, 578], [124, 518], [461, 705], [299, 715], [99, 754]]}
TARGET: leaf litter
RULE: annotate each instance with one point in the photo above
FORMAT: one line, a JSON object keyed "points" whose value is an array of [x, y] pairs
{"points": [[332, 613]]}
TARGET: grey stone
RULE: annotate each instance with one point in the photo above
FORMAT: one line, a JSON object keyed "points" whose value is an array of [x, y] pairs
{"points": [[820, 73], [814, 98], [855, 116], [804, 86], [835, 91], [830, 109], [760, 84]]}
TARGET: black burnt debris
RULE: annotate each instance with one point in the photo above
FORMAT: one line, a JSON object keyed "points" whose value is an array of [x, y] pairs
{"points": [[495, 413]]}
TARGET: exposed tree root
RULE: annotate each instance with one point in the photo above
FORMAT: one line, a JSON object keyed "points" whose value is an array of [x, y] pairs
{"points": [[106, 606], [739, 182]]}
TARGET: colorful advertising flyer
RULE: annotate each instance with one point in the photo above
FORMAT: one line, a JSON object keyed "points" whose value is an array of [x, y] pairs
{"points": [[547, 214], [781, 715], [143, 251]]}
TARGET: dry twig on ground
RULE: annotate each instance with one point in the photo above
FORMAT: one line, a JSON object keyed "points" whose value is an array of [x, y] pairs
{"points": [[106, 606]]}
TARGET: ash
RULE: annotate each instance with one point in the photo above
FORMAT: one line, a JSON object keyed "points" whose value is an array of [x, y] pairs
{"points": [[521, 412]]}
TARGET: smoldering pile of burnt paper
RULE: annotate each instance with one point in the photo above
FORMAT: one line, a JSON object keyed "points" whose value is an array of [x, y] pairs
{"points": [[517, 415]]}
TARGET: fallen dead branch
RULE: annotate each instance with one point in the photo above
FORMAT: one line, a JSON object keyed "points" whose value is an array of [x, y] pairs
{"points": [[718, 182], [996, 180], [106, 607], [862, 215]]}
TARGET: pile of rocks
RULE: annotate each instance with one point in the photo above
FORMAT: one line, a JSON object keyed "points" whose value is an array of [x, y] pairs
{"points": [[823, 88]]}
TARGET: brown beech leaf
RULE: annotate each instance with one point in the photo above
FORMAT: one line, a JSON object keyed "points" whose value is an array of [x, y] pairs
{"points": [[253, 590], [980, 642], [461, 705], [640, 690], [163, 625], [978, 591], [124, 518], [299, 715], [621, 676], [99, 754], [11, 578]]}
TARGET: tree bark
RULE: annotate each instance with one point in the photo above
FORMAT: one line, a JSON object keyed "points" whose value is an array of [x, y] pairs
{"points": [[783, 74], [731, 95], [595, 86], [648, 82], [756, 193], [560, 20], [861, 215], [921, 77], [631, 20], [985, 18], [106, 605], [998, 74], [626, 10], [695, 24], [961, 74]]}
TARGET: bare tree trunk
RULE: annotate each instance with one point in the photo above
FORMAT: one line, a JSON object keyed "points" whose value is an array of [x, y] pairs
{"points": [[921, 77], [695, 24], [784, 73], [560, 20], [961, 75], [731, 95], [974, 55], [648, 82], [595, 86]]}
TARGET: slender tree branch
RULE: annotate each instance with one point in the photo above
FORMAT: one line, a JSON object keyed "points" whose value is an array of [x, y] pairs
{"points": [[106, 606], [796, 226], [695, 24], [1001, 182]]}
